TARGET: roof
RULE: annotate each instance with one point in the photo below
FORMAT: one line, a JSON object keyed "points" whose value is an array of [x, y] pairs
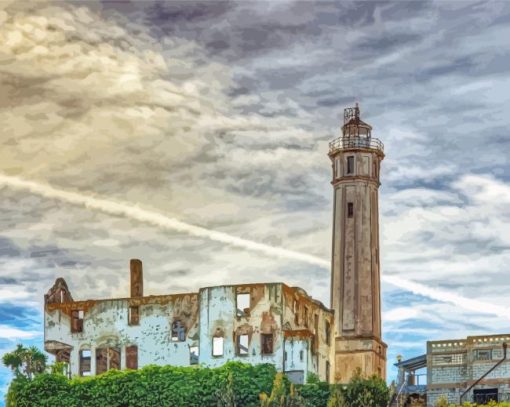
{"points": [[413, 364], [356, 121]]}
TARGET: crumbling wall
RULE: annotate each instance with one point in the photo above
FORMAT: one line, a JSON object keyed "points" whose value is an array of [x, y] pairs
{"points": [[219, 316], [310, 320], [106, 326]]}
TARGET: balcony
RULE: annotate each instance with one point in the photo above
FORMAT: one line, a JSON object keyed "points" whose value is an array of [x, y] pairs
{"points": [[346, 143]]}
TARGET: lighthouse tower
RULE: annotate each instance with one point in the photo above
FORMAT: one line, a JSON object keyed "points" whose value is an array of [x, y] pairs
{"points": [[355, 267]]}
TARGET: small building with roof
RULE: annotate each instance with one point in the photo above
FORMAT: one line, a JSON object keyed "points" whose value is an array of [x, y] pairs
{"points": [[475, 369]]}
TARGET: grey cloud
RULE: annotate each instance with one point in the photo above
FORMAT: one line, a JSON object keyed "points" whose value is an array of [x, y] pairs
{"points": [[219, 114]]}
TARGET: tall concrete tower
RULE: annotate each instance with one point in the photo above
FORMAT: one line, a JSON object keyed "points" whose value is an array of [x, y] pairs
{"points": [[355, 269]]}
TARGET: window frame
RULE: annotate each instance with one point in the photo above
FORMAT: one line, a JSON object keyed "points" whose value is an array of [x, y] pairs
{"points": [[134, 315], [82, 364], [214, 340], [239, 351], [350, 165], [263, 338], [181, 334], [77, 318], [130, 351], [246, 310], [350, 210]]}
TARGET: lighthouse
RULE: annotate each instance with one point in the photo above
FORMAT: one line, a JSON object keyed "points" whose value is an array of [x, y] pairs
{"points": [[355, 266]]}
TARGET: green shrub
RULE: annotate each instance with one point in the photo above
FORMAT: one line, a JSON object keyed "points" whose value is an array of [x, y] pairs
{"points": [[366, 392], [232, 385], [315, 394], [151, 386]]}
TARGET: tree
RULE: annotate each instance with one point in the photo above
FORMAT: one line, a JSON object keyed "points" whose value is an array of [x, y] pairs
{"points": [[366, 392], [282, 395], [226, 396], [25, 362], [336, 399]]}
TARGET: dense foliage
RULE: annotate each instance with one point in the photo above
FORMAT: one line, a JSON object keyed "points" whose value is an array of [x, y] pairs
{"points": [[150, 386], [232, 385], [371, 392]]}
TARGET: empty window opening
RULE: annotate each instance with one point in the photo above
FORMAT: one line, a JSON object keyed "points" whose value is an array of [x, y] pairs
{"points": [[484, 396], [266, 344], [285, 356], [484, 354], [350, 165], [101, 360], [77, 321], [301, 355], [242, 345], [328, 333], [178, 331], [306, 317], [327, 371], [193, 355], [296, 312], [338, 168], [132, 357], [63, 356], [217, 346], [85, 357], [243, 304], [106, 359], [350, 209], [113, 358], [134, 315], [316, 323]]}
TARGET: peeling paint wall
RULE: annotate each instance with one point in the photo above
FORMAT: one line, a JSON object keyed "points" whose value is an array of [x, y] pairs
{"points": [[311, 322], [219, 316], [256, 322], [105, 324]]}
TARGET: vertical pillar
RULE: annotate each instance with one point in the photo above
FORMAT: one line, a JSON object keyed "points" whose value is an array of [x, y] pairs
{"points": [[136, 278]]}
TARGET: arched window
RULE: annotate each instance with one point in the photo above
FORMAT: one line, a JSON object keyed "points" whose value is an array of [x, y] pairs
{"points": [[178, 331]]}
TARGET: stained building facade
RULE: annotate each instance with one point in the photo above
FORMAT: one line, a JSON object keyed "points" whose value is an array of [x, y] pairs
{"points": [[254, 323], [355, 268]]}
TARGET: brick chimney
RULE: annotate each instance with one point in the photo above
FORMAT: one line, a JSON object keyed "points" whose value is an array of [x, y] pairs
{"points": [[136, 268]]}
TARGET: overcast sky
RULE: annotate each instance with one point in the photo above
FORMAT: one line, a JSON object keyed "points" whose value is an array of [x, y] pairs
{"points": [[218, 115]]}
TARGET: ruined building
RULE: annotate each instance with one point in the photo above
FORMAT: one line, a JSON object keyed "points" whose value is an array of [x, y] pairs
{"points": [[355, 267], [253, 323]]}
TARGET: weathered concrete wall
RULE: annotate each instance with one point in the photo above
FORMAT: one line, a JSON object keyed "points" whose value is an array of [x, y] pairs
{"points": [[297, 359], [311, 322], [212, 313], [355, 276], [218, 317], [105, 323]]}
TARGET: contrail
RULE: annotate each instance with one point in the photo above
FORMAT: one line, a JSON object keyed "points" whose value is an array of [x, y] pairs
{"points": [[142, 215], [448, 297], [133, 212]]}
